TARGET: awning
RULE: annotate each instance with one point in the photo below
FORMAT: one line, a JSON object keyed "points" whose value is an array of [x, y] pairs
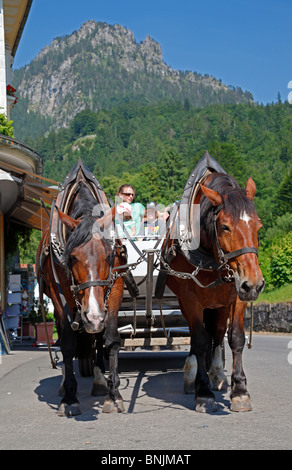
{"points": [[31, 206], [32, 209], [15, 16], [8, 191]]}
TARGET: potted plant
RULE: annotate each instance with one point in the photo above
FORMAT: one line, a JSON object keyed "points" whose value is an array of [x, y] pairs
{"points": [[35, 317]]}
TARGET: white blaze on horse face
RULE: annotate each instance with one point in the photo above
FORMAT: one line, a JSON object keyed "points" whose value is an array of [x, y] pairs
{"points": [[93, 304], [245, 217], [95, 315]]}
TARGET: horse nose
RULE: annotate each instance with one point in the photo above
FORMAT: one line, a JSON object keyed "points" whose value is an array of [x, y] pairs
{"points": [[93, 322], [261, 286], [249, 291]]}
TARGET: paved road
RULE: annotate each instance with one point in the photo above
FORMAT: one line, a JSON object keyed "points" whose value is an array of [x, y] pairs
{"points": [[158, 415]]}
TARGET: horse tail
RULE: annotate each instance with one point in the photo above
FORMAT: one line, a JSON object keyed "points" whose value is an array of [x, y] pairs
{"points": [[85, 345], [210, 321]]}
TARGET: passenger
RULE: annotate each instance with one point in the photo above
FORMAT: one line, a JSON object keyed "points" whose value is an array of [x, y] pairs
{"points": [[153, 225], [131, 213]]}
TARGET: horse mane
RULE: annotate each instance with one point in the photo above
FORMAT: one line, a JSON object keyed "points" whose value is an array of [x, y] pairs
{"points": [[82, 208], [235, 201], [84, 202], [80, 236]]}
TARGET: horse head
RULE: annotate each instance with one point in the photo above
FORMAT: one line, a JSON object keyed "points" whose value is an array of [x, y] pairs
{"points": [[235, 236], [89, 256]]}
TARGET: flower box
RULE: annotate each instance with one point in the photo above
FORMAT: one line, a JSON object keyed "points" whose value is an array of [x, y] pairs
{"points": [[41, 337], [28, 330]]}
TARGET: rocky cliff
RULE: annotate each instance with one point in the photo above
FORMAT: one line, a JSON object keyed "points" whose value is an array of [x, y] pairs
{"points": [[102, 65]]}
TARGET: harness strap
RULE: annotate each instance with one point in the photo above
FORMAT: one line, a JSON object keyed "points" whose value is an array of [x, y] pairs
{"points": [[128, 235], [60, 292], [54, 364], [223, 259], [241, 251], [88, 284]]}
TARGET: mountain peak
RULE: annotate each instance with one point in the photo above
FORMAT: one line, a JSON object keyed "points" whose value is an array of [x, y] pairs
{"points": [[101, 65]]}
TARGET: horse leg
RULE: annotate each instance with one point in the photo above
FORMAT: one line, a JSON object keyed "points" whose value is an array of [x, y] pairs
{"points": [[69, 404], [215, 323], [113, 401], [196, 377], [99, 386], [240, 398]]}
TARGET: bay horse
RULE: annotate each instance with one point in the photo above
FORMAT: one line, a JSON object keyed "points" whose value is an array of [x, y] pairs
{"points": [[228, 240], [86, 296]]}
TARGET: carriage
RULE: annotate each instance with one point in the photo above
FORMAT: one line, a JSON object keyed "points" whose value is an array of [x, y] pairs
{"points": [[144, 320], [133, 293]]}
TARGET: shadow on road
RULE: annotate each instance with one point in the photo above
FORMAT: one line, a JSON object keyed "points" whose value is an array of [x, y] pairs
{"points": [[166, 386], [149, 381], [48, 392]]}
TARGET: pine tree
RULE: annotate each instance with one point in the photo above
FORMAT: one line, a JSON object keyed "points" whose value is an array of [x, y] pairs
{"points": [[284, 195], [171, 175]]}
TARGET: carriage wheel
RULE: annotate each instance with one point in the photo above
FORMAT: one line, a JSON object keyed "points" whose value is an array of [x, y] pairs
{"points": [[86, 367]]}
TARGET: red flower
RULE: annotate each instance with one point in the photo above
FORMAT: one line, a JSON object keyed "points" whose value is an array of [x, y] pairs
{"points": [[10, 90]]}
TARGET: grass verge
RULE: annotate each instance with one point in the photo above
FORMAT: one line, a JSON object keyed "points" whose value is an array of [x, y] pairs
{"points": [[283, 294]]}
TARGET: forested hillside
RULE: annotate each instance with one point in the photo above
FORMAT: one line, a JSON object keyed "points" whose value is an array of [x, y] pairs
{"points": [[155, 147]]}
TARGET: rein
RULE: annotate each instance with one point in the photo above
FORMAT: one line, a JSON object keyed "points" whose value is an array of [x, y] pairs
{"points": [[53, 260]]}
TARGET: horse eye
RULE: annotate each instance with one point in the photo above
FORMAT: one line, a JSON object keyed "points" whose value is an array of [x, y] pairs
{"points": [[73, 260], [225, 228]]}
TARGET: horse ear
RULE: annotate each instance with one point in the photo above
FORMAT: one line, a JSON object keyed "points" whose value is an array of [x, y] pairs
{"points": [[212, 195], [70, 223], [250, 188]]}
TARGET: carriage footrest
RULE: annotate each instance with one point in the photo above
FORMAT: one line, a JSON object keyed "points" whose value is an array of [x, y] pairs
{"points": [[149, 342]]}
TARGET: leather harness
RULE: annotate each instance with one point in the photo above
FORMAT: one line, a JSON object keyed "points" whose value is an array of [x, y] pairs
{"points": [[198, 257], [55, 247]]}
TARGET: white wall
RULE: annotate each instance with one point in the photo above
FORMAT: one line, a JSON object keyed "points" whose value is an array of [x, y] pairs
{"points": [[3, 84]]}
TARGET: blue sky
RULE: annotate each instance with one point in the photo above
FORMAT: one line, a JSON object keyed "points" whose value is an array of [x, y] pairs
{"points": [[245, 43]]}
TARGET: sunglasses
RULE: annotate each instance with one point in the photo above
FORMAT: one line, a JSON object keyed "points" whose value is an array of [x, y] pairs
{"points": [[128, 194]]}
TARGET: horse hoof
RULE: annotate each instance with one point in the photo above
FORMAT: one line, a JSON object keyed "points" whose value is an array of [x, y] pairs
{"points": [[206, 405], [69, 410], [99, 390], [111, 406], [240, 403], [120, 405]]}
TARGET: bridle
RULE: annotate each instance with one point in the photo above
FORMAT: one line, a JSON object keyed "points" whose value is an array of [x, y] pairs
{"points": [[95, 283], [225, 257], [86, 285]]}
